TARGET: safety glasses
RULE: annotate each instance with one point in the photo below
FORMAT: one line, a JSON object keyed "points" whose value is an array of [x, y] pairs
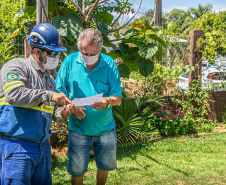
{"points": [[51, 53]]}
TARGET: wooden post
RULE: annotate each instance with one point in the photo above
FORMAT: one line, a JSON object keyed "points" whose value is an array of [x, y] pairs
{"points": [[45, 3], [38, 12], [158, 10], [195, 56]]}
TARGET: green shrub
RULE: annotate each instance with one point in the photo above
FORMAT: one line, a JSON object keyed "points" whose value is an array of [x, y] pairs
{"points": [[172, 122], [197, 101]]}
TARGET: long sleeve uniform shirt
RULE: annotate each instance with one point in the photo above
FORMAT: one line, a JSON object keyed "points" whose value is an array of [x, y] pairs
{"points": [[26, 110]]}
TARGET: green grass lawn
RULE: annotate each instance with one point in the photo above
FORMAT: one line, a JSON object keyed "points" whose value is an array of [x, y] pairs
{"points": [[197, 160]]}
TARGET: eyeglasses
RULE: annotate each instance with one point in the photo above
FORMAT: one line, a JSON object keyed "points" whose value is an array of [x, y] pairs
{"points": [[51, 53]]}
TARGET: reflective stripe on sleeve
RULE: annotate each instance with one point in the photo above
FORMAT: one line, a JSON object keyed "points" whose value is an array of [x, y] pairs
{"points": [[44, 108], [12, 84], [3, 102]]}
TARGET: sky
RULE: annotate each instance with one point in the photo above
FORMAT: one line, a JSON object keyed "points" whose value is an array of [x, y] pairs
{"points": [[168, 5]]}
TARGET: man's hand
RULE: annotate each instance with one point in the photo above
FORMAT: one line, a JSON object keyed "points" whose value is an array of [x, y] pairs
{"points": [[79, 112], [67, 111], [101, 105], [60, 99]]}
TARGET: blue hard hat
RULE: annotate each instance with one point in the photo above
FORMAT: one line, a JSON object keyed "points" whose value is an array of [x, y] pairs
{"points": [[45, 35]]}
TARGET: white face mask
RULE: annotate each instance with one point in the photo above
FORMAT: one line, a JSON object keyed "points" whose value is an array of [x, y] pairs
{"points": [[51, 63], [89, 60]]}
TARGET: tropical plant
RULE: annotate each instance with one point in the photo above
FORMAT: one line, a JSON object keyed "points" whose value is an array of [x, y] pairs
{"points": [[129, 117], [138, 49]]}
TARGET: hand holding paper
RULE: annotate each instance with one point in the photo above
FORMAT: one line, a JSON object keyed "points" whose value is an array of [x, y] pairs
{"points": [[87, 101]]}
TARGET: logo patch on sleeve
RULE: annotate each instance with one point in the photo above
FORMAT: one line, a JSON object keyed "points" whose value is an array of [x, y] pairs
{"points": [[12, 76]]}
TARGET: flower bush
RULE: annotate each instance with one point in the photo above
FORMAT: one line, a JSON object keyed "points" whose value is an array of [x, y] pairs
{"points": [[172, 122]]}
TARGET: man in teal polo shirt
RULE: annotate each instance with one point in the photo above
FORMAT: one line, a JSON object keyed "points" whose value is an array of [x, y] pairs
{"points": [[84, 74]]}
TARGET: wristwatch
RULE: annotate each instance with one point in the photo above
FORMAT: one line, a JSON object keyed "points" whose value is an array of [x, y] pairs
{"points": [[108, 105]]}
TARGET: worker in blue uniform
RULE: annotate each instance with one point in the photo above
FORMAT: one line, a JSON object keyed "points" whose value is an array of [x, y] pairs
{"points": [[28, 102]]}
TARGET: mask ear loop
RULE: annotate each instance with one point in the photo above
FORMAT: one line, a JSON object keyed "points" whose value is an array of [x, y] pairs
{"points": [[41, 54]]}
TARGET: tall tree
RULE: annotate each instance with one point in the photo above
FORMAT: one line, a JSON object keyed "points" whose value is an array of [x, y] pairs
{"points": [[200, 10]]}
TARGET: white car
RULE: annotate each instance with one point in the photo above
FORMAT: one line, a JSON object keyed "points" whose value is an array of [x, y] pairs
{"points": [[218, 79]]}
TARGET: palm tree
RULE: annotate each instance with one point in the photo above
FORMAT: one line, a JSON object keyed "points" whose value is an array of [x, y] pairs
{"points": [[201, 10]]}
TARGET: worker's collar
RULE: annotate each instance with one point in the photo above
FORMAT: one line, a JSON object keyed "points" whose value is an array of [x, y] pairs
{"points": [[36, 66]]}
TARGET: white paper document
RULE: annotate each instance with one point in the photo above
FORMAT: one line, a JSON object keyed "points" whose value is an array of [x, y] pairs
{"points": [[87, 101]]}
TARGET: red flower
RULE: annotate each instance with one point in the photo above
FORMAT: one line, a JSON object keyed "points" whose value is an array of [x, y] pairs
{"points": [[154, 112], [160, 108]]}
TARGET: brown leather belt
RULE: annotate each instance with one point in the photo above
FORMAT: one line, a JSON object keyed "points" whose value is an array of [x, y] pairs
{"points": [[18, 139]]}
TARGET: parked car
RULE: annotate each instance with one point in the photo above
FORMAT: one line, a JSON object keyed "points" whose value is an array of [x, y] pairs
{"points": [[218, 79]]}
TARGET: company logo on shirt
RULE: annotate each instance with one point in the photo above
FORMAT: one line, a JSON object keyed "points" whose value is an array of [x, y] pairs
{"points": [[12, 76]]}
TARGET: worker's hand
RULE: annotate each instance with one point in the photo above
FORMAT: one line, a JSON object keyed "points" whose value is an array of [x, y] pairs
{"points": [[101, 105], [67, 111], [60, 99], [79, 112]]}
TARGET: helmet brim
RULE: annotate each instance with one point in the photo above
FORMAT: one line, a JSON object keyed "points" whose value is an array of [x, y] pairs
{"points": [[57, 49]]}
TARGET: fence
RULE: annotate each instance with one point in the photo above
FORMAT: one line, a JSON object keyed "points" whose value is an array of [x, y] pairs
{"points": [[17, 42], [217, 104]]}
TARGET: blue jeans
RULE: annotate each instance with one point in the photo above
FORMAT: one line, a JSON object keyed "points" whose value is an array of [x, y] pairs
{"points": [[79, 147], [25, 163]]}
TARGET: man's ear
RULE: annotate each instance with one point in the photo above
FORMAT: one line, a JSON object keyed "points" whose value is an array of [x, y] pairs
{"points": [[36, 51]]}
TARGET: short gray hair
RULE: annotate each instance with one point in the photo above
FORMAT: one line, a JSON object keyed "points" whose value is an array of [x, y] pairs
{"points": [[93, 36]]}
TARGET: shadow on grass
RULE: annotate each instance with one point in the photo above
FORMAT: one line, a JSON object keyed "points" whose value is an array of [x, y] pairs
{"points": [[177, 170], [133, 150], [133, 157]]}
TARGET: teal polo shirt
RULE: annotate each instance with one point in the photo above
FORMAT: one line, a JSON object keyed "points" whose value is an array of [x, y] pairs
{"points": [[76, 81]]}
